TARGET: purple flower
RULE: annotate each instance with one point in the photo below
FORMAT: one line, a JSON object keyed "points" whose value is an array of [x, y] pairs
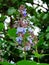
{"points": [[24, 30], [19, 39], [24, 12], [30, 40], [21, 29], [27, 48]]}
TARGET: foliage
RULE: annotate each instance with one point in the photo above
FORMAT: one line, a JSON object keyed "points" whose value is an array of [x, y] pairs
{"points": [[1, 26], [6, 63], [29, 63], [8, 45]]}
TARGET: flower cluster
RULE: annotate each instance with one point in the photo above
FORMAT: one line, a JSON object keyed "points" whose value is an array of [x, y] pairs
{"points": [[22, 28]]}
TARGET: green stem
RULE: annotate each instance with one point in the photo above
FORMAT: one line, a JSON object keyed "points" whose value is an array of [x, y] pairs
{"points": [[24, 55], [37, 52]]}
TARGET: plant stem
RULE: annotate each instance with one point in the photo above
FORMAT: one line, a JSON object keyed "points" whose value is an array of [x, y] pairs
{"points": [[24, 55], [37, 52]]}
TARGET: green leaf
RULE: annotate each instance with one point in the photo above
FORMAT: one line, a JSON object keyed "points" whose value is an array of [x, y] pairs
{"points": [[2, 18], [40, 42], [47, 30], [1, 26], [13, 1], [11, 10], [17, 13], [45, 16], [47, 35], [12, 32], [36, 54], [6, 63], [26, 62]]}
